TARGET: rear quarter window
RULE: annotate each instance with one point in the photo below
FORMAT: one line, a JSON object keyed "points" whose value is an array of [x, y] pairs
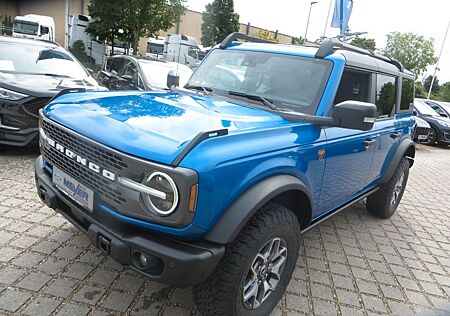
{"points": [[407, 94]]}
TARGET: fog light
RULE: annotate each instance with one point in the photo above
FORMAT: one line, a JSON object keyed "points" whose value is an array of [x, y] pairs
{"points": [[142, 259]]}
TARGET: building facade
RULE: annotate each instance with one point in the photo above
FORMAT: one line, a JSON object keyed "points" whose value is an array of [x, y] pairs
{"points": [[61, 10]]}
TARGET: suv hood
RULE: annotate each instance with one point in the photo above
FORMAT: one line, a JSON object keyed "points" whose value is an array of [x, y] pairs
{"points": [[153, 125], [41, 85]]}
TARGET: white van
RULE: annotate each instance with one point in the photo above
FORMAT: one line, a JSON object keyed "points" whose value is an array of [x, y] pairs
{"points": [[34, 26], [181, 49]]}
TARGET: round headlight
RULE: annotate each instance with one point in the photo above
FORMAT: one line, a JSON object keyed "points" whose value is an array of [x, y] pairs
{"points": [[163, 183]]}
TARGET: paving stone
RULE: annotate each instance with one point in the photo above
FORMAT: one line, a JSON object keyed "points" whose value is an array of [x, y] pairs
{"points": [[117, 301], [417, 298], [78, 270], [9, 275], [41, 306], [89, 294], [145, 306], [27, 259], [73, 310], [297, 303], [373, 303], [11, 300], [61, 287], [347, 297], [324, 308], [34, 281], [130, 284], [297, 287], [321, 291]]}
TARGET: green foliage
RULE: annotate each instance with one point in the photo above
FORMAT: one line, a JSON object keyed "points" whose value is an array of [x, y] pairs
{"points": [[414, 51], [420, 90], [79, 51], [296, 40], [129, 20], [445, 92], [219, 20], [366, 43], [265, 34], [427, 84], [6, 25]]}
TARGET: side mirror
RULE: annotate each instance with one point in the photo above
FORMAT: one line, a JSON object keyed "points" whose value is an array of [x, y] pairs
{"points": [[355, 115], [414, 112], [173, 79], [44, 30], [127, 78]]}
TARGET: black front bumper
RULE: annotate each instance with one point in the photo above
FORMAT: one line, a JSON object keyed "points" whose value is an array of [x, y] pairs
{"points": [[174, 262], [19, 138]]}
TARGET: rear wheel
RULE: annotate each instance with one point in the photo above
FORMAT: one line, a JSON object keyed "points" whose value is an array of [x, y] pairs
{"points": [[385, 201], [256, 268]]}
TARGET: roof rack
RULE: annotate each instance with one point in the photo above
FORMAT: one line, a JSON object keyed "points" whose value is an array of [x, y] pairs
{"points": [[330, 44], [236, 35]]}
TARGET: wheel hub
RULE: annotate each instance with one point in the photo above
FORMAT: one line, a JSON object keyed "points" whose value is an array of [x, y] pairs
{"points": [[264, 273]]}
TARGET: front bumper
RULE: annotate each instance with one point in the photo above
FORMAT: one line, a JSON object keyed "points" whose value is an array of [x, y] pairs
{"points": [[444, 136], [19, 138], [171, 261]]}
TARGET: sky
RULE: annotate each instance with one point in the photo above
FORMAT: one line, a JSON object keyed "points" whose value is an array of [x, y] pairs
{"points": [[377, 17]]}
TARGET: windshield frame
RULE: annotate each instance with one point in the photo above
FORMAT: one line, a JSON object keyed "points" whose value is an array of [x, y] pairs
{"points": [[284, 106]]}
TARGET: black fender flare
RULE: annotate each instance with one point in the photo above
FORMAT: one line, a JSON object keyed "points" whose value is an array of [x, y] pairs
{"points": [[245, 206], [401, 152]]}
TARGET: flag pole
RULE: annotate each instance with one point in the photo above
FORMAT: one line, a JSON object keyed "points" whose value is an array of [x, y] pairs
{"points": [[328, 18], [439, 59]]}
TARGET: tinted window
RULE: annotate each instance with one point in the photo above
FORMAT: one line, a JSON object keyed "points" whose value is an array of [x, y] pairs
{"points": [[353, 86], [290, 82], [385, 97], [407, 94], [114, 65]]}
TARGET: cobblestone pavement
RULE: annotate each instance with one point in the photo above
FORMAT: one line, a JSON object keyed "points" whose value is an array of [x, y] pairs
{"points": [[353, 264]]}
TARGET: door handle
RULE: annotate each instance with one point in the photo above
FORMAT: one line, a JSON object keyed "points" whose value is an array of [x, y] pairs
{"points": [[396, 135], [368, 143]]}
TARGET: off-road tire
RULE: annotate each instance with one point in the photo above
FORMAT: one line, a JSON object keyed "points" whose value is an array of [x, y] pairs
{"points": [[222, 292], [380, 204]]}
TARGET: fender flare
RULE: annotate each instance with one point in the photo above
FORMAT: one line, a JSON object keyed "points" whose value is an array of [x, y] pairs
{"points": [[245, 206], [402, 149]]}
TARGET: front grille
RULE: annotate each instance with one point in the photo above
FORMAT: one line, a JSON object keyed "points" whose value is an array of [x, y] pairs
{"points": [[93, 153], [422, 131], [32, 107]]}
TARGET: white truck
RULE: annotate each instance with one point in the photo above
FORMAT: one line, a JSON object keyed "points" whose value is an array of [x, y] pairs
{"points": [[34, 26], [98, 50], [178, 48]]}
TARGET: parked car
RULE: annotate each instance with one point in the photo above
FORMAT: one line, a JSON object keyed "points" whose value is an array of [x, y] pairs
{"points": [[31, 73], [421, 130], [123, 72], [213, 185], [440, 126]]}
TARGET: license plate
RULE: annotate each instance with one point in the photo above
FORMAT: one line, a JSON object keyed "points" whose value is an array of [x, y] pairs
{"points": [[73, 189], [422, 137]]}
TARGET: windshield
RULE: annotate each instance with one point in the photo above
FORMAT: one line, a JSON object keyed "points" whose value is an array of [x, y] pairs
{"points": [[25, 27], [39, 60], [155, 73], [424, 109], [289, 82]]}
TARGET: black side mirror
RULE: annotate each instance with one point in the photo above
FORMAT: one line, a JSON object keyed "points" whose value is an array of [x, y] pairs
{"points": [[44, 30], [173, 79], [127, 78], [414, 112], [355, 115]]}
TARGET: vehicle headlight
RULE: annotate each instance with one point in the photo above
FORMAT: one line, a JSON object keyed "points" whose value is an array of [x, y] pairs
{"points": [[445, 124], [6, 94], [164, 183]]}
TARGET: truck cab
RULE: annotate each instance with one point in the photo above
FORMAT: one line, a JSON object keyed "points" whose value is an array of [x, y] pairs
{"points": [[212, 184], [182, 49], [34, 26]]}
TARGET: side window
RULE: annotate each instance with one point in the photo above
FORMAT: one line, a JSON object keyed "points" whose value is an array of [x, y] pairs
{"points": [[354, 85], [116, 64], [407, 94], [385, 96]]}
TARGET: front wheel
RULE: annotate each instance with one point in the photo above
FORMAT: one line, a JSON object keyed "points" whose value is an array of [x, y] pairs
{"points": [[256, 267], [432, 137], [385, 201]]}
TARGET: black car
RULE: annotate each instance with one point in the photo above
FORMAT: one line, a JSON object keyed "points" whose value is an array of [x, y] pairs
{"points": [[440, 126], [121, 72], [31, 73]]}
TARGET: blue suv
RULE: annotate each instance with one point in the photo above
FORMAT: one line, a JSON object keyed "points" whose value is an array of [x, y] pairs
{"points": [[212, 185]]}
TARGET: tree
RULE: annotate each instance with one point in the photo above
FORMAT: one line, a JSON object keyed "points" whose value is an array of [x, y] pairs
{"points": [[420, 90], [366, 43], [149, 17], [414, 51], [445, 92], [108, 20], [130, 20], [265, 34], [6, 26], [427, 84], [219, 20]]}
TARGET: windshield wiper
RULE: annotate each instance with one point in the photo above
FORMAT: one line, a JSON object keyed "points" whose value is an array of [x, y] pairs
{"points": [[206, 90], [266, 102]]}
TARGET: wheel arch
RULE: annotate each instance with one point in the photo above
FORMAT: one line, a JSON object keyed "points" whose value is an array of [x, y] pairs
{"points": [[286, 190], [406, 148]]}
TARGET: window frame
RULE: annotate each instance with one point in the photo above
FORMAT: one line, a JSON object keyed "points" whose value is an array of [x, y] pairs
{"points": [[397, 97]]}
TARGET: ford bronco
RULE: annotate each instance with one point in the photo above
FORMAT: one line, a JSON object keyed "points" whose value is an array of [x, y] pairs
{"points": [[211, 185]]}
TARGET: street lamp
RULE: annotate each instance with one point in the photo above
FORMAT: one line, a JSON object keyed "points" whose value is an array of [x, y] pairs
{"points": [[307, 23]]}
